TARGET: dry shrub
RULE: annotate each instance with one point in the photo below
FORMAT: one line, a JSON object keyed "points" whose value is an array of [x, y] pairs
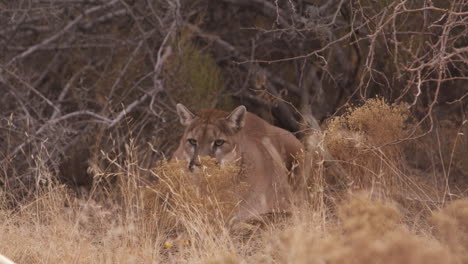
{"points": [[211, 193], [371, 232], [395, 247], [363, 216], [358, 140], [452, 227]]}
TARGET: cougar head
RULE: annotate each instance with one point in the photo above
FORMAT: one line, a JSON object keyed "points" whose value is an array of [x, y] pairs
{"points": [[212, 133]]}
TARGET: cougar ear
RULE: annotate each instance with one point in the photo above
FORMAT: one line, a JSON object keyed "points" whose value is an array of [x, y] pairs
{"points": [[236, 119], [185, 115]]}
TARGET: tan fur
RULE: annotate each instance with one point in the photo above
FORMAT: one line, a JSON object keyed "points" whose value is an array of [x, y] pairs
{"points": [[266, 152]]}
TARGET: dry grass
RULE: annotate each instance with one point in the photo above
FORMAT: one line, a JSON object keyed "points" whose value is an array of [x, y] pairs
{"points": [[131, 220], [210, 198]]}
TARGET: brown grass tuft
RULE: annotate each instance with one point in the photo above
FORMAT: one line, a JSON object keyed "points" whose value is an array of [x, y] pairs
{"points": [[360, 215], [359, 239], [452, 227], [359, 141]]}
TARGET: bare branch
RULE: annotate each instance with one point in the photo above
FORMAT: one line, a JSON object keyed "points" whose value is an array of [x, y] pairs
{"points": [[70, 25], [29, 86]]}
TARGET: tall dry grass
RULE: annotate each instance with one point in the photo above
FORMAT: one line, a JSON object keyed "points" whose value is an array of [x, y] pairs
{"points": [[376, 216]]}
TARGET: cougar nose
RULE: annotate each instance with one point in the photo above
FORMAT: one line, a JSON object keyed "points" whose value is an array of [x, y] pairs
{"points": [[206, 152]]}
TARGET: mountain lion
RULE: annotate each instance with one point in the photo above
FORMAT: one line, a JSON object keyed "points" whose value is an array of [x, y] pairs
{"points": [[267, 154]]}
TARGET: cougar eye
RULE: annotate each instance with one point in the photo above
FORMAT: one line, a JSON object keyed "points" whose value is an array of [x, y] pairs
{"points": [[219, 142], [192, 141]]}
